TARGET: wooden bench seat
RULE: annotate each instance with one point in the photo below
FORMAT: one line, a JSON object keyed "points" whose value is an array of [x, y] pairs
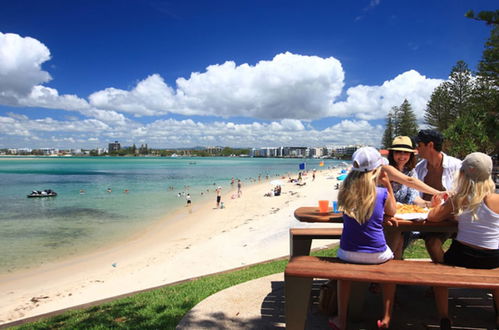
{"points": [[301, 270], [301, 238]]}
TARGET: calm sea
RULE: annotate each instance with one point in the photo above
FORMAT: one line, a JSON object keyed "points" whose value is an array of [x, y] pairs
{"points": [[38, 230]]}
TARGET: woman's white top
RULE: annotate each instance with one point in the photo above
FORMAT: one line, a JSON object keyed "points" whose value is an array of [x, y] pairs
{"points": [[483, 232]]}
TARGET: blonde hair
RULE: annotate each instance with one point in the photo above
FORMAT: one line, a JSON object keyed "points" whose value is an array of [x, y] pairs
{"points": [[357, 195], [469, 194]]}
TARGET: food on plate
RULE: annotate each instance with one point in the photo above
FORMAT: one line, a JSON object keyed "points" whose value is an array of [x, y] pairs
{"points": [[410, 208]]}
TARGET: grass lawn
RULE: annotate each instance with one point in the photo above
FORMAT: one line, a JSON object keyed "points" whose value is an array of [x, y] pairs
{"points": [[164, 308]]}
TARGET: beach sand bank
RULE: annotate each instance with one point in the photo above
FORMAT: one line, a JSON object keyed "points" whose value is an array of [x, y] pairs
{"points": [[192, 242]]}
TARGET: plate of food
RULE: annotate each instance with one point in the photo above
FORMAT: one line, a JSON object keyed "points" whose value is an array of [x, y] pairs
{"points": [[411, 212]]}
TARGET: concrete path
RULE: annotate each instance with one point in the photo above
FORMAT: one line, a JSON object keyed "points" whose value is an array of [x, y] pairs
{"points": [[259, 304]]}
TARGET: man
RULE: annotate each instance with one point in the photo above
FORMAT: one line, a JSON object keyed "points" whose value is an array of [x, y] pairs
{"points": [[437, 170]]}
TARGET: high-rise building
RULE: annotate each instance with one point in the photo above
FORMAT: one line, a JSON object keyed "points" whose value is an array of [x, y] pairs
{"points": [[114, 146]]}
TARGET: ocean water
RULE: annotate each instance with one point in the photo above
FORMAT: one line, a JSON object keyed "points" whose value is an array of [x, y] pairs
{"points": [[38, 230]]}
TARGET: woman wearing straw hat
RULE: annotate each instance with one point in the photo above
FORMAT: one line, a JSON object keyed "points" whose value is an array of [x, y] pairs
{"points": [[402, 156]]}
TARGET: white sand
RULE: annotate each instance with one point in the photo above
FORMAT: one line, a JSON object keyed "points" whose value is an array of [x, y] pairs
{"points": [[198, 240]]}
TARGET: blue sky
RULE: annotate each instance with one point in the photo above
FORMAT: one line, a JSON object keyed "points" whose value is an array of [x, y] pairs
{"points": [[242, 73]]}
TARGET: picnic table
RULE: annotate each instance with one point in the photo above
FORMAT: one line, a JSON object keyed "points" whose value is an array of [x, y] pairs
{"points": [[300, 244], [302, 268]]}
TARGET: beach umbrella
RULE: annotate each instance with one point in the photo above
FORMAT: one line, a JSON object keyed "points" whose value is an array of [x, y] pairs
{"points": [[277, 183], [341, 177]]}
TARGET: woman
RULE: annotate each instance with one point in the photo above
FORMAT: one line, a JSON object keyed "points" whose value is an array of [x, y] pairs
{"points": [[476, 208], [402, 156], [364, 206]]}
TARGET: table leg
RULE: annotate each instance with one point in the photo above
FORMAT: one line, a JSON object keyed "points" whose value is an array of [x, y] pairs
{"points": [[297, 294], [357, 299], [299, 246]]}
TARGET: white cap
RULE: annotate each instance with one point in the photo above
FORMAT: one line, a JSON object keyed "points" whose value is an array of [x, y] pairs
{"points": [[366, 159]]}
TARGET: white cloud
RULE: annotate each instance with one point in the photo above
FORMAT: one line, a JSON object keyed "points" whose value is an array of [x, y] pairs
{"points": [[290, 90], [21, 74], [111, 117], [46, 97], [288, 86], [374, 102], [175, 133], [150, 97], [20, 66]]}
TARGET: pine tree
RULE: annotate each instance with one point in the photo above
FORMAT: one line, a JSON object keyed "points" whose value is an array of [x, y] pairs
{"points": [[406, 120], [460, 87], [451, 99], [438, 110], [388, 135], [399, 121]]}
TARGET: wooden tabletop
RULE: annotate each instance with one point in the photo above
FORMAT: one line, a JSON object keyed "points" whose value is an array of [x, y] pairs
{"points": [[312, 214]]}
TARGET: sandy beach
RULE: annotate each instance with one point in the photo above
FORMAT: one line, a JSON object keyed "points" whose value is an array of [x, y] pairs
{"points": [[194, 241]]}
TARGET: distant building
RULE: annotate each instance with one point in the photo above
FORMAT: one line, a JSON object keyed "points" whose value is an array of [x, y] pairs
{"points": [[214, 150], [346, 151], [114, 146]]}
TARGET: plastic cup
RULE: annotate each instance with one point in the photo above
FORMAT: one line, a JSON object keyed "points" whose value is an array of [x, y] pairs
{"points": [[335, 206], [323, 206]]}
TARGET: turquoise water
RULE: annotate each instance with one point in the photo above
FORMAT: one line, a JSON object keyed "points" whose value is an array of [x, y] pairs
{"points": [[37, 230]]}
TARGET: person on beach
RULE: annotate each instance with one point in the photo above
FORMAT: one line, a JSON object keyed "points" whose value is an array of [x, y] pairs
{"points": [[219, 196], [188, 198], [438, 170], [363, 241], [475, 206], [239, 191]]}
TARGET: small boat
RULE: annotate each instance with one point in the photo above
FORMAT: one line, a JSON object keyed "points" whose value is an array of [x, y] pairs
{"points": [[44, 193]]}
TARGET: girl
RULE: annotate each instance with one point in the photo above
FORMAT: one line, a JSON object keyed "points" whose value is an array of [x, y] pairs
{"points": [[364, 205], [476, 208]]}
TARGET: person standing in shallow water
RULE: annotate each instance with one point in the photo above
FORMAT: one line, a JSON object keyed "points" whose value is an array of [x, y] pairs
{"points": [[239, 191], [219, 196]]}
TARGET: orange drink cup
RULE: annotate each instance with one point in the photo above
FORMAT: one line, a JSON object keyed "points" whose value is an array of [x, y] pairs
{"points": [[323, 206]]}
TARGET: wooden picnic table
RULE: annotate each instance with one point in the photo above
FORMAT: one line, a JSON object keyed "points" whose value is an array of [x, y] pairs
{"points": [[312, 214], [300, 243]]}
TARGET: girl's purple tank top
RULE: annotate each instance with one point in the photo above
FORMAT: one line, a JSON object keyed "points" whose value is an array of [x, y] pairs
{"points": [[368, 237]]}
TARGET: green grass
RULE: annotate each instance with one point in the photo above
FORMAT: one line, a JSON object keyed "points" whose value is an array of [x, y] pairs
{"points": [[164, 308]]}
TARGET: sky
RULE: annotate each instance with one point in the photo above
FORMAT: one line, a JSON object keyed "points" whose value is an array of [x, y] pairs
{"points": [[237, 73]]}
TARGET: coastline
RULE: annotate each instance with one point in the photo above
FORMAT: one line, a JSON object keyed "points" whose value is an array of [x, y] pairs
{"points": [[190, 242]]}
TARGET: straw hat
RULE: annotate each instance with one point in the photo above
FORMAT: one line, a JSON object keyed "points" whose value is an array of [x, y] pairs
{"points": [[402, 143]]}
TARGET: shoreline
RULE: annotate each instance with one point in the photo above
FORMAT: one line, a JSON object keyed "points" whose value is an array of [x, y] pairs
{"points": [[256, 228]]}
